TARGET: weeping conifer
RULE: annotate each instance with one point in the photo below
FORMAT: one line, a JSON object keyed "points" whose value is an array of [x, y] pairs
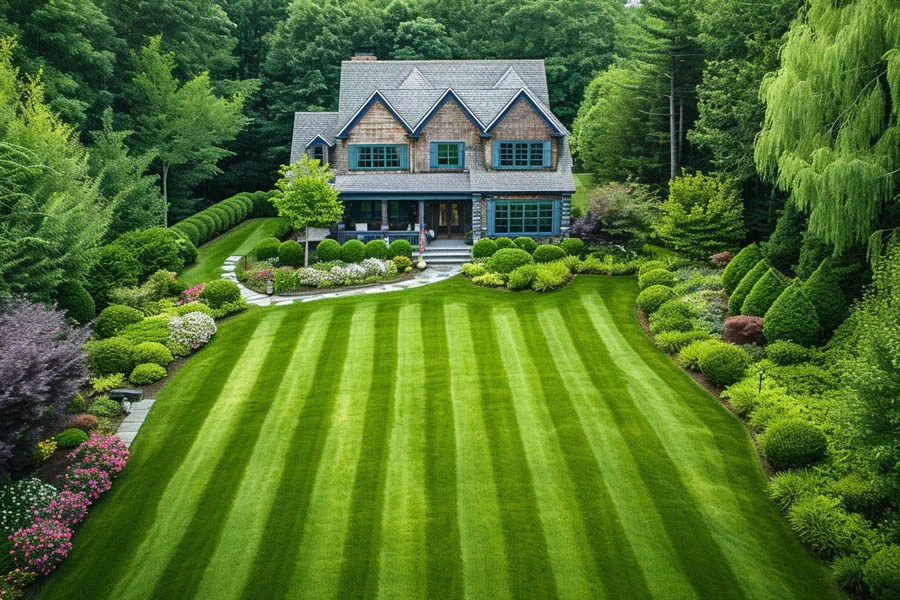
{"points": [[831, 135]]}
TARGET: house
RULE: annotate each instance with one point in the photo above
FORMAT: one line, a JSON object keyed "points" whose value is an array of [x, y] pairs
{"points": [[456, 146]]}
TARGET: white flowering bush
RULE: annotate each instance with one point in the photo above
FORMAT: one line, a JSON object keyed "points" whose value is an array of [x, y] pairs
{"points": [[20, 499], [193, 330], [334, 275]]}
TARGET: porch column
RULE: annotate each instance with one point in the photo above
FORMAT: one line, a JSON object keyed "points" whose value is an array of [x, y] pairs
{"points": [[476, 217], [565, 220], [422, 239], [385, 224]]}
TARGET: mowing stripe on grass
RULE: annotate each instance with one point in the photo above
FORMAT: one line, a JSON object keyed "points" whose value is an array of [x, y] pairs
{"points": [[186, 485], [631, 499], [564, 531], [229, 569], [699, 464], [317, 568], [480, 524], [403, 546]]}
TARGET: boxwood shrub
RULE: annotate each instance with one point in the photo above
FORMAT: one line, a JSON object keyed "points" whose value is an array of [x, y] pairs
{"points": [[112, 355], [267, 248], [724, 364], [152, 352], [484, 248], [786, 353], [262, 205], [521, 278], [691, 354], [740, 293], [651, 265], [400, 248], [504, 242], [792, 317], [526, 243], [572, 246], [550, 276], [102, 406], [764, 294], [673, 315], [546, 253], [652, 297], [208, 225], [146, 373], [793, 443], [75, 300], [882, 573], [506, 260], [739, 266], [151, 329], [217, 293], [224, 217], [353, 251], [190, 229], [115, 318], [70, 438], [328, 250], [377, 249], [656, 277], [290, 254]]}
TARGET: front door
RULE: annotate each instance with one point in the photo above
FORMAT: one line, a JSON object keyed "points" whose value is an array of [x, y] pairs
{"points": [[451, 217]]}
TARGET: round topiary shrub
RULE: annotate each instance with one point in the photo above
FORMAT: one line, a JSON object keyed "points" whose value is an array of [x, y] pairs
{"points": [[115, 318], [217, 293], [656, 277], [739, 266], [724, 364], [526, 243], [572, 246], [70, 438], [824, 526], [743, 330], [763, 294], [400, 248], [190, 229], [673, 315], [290, 254], [207, 226], [792, 317], [793, 443], [785, 353], [222, 216], [267, 248], [353, 251], [75, 300], [152, 352], [740, 293], [504, 242], [650, 265], [377, 249], [507, 259], [112, 355], [882, 573], [328, 250], [484, 248], [155, 249], [651, 298], [147, 373], [546, 253]]}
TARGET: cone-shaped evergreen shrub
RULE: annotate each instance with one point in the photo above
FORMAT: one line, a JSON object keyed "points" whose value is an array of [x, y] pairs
{"points": [[764, 293], [792, 318], [740, 293], [824, 291], [739, 266]]}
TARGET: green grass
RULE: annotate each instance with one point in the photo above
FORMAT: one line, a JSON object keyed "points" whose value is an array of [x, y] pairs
{"points": [[443, 442], [583, 184], [237, 241]]}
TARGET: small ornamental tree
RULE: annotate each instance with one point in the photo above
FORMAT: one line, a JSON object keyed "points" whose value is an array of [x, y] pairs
{"points": [[824, 291], [306, 197], [740, 293], [739, 266], [703, 215], [792, 318], [763, 294]]}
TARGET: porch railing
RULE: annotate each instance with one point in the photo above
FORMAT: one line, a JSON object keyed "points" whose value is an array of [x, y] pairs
{"points": [[367, 236]]}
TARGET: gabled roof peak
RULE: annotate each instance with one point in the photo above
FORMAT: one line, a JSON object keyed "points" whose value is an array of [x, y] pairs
{"points": [[415, 81], [510, 80]]}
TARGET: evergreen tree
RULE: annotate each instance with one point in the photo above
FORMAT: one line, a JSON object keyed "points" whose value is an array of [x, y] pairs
{"points": [[743, 289], [763, 295], [739, 266], [824, 291], [792, 318], [783, 246]]}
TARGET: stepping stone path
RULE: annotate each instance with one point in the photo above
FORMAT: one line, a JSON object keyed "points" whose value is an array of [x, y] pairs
{"points": [[129, 428], [429, 275]]}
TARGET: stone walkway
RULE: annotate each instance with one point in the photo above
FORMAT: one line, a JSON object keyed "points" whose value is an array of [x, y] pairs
{"points": [[133, 420], [429, 275]]}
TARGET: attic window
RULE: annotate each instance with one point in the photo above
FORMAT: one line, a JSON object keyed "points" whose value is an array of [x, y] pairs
{"points": [[318, 153]]}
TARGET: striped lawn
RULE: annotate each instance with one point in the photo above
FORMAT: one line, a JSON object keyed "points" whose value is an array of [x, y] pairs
{"points": [[443, 442]]}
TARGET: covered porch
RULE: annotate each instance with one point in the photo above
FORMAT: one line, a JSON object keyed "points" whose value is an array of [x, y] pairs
{"points": [[391, 219]]}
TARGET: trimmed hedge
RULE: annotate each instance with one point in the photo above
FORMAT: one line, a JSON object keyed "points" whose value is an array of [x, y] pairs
{"points": [[546, 253], [526, 243], [572, 246], [70, 438], [152, 352], [290, 254], [763, 294], [792, 318], [651, 298], [736, 298], [400, 248], [115, 318], [739, 266], [190, 229], [656, 277], [262, 205], [650, 265], [112, 355], [824, 291], [75, 300], [216, 294], [793, 443], [328, 250], [724, 364], [146, 373], [504, 242], [267, 248], [377, 249], [485, 248], [506, 260], [353, 251], [785, 353]]}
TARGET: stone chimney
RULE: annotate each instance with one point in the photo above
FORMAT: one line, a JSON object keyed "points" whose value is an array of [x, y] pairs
{"points": [[364, 55]]}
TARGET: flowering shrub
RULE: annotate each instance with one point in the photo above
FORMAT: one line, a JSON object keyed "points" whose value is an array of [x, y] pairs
{"points": [[19, 500], [90, 481], [41, 547], [108, 453], [264, 275], [68, 508], [337, 275], [190, 295], [193, 329], [44, 450], [19, 579]]}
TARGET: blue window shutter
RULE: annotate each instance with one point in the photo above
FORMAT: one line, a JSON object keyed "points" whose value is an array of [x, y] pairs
{"points": [[353, 154], [546, 154], [495, 154], [434, 148], [462, 155], [557, 215], [404, 156]]}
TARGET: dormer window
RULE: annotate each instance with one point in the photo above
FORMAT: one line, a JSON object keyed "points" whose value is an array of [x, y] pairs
{"points": [[521, 155], [319, 154]]}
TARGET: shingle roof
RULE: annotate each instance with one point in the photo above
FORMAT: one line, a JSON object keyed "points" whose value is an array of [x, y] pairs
{"points": [[308, 125]]}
